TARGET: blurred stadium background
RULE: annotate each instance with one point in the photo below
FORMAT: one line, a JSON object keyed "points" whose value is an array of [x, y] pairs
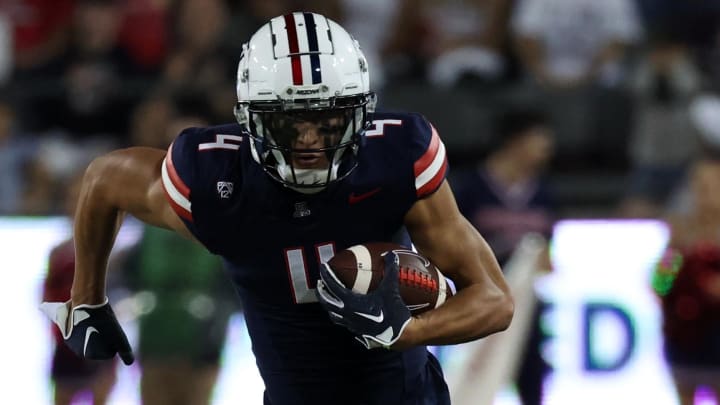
{"points": [[629, 87]]}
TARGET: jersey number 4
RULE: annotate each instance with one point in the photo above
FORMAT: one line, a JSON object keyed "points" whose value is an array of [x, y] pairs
{"points": [[297, 270], [378, 127], [222, 141]]}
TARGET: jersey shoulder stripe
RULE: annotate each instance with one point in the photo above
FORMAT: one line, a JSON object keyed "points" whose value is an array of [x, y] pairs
{"points": [[431, 168], [176, 191]]}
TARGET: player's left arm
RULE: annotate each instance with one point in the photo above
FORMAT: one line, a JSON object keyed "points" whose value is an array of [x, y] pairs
{"points": [[483, 304]]}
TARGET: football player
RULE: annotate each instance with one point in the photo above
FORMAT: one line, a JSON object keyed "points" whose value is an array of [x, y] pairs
{"points": [[308, 169]]}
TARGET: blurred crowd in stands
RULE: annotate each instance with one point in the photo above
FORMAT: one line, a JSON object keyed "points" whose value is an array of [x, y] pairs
{"points": [[628, 84]]}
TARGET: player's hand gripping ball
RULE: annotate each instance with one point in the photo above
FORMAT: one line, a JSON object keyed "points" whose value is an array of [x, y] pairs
{"points": [[371, 290], [422, 286]]}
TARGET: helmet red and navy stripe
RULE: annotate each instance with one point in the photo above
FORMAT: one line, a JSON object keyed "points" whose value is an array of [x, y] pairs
{"points": [[304, 47]]}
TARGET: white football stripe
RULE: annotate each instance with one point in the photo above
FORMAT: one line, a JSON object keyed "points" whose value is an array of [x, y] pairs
{"points": [[442, 289], [428, 174], [172, 191], [364, 269]]}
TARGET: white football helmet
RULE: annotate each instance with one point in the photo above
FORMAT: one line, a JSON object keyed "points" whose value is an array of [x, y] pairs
{"points": [[303, 67]]}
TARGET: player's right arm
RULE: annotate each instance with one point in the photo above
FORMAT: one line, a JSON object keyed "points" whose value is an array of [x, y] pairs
{"points": [[123, 181]]}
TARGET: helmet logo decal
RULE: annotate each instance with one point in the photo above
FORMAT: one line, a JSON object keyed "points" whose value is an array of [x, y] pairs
{"points": [[313, 49]]}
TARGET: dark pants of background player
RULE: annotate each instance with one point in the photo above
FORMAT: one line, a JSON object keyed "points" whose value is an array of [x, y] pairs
{"points": [[429, 389], [66, 365], [533, 368]]}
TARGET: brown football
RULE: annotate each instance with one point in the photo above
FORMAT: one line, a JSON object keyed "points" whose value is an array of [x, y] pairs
{"points": [[361, 267]]}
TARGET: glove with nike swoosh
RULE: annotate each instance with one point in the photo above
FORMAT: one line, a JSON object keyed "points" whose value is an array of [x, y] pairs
{"points": [[377, 318], [92, 331]]}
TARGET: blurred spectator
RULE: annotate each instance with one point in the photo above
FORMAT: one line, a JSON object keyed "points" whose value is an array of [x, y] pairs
{"points": [[159, 119], [452, 39], [184, 296], [505, 198], [40, 189], [705, 117], [78, 102], [676, 115], [74, 378], [185, 303], [331, 9], [370, 22], [95, 87], [40, 29], [253, 14], [204, 57], [664, 140], [572, 53], [150, 121], [144, 32], [7, 58], [695, 23], [198, 33], [54, 160], [16, 153], [687, 280], [569, 43], [704, 112]]}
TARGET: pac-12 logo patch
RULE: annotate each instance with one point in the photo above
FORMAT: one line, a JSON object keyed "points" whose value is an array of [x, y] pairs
{"points": [[224, 189]]}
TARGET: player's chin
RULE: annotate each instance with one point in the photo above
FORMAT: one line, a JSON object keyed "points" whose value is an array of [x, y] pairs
{"points": [[310, 161]]}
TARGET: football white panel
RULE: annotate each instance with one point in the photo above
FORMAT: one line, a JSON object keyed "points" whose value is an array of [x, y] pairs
{"points": [[442, 289], [364, 269]]}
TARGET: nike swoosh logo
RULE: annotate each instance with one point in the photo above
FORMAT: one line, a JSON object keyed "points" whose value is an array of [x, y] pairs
{"points": [[374, 318], [356, 198], [88, 332]]}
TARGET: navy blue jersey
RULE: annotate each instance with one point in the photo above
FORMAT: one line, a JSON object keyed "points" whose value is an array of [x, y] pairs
{"points": [[501, 215], [273, 239]]}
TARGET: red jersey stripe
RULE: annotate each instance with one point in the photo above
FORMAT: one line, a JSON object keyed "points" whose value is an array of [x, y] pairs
{"points": [[435, 182], [294, 48], [174, 177], [182, 212], [427, 158]]}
